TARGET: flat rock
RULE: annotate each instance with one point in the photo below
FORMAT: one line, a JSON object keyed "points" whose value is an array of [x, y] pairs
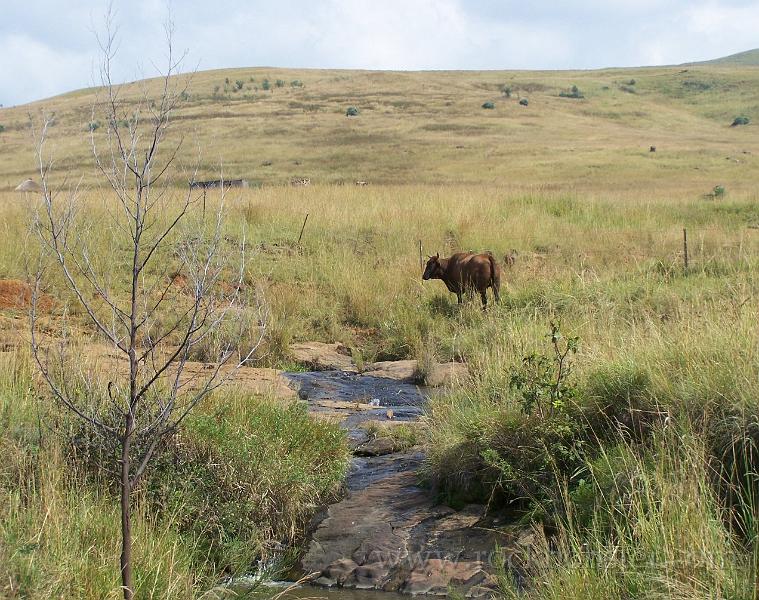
{"points": [[444, 374], [390, 534], [323, 357], [260, 381], [376, 447], [400, 370]]}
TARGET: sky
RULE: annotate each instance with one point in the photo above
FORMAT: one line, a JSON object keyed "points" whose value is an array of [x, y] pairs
{"points": [[48, 47]]}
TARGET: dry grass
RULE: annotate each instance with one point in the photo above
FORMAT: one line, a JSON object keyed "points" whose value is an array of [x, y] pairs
{"points": [[595, 217], [428, 127]]}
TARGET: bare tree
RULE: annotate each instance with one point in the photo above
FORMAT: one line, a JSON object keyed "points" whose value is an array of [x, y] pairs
{"points": [[152, 314]]}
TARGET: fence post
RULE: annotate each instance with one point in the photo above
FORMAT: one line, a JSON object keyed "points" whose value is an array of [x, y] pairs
{"points": [[685, 248], [302, 228]]}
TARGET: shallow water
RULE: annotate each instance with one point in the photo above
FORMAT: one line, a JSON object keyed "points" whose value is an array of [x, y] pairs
{"points": [[285, 590], [336, 593], [352, 387]]}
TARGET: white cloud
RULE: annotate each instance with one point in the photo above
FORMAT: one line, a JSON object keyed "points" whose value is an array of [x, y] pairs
{"points": [[30, 70], [56, 49]]}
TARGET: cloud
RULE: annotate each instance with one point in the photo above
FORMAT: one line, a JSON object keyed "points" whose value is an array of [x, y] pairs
{"points": [[30, 69], [45, 50]]}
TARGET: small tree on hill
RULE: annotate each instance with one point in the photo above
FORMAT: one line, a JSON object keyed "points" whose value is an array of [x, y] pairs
{"points": [[169, 284]]}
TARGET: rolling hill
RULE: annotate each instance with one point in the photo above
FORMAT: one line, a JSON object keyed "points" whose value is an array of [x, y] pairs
{"points": [[749, 58], [431, 127]]}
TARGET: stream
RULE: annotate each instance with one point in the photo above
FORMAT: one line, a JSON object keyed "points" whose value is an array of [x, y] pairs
{"points": [[388, 535]]}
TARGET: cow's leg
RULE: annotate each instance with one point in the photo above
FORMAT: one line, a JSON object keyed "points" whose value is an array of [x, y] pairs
{"points": [[484, 299], [497, 291], [460, 298]]}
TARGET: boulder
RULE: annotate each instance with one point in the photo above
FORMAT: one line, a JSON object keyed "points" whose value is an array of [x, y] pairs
{"points": [[323, 357]]}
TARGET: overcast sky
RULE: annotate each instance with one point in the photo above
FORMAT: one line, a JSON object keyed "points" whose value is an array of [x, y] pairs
{"points": [[48, 46]]}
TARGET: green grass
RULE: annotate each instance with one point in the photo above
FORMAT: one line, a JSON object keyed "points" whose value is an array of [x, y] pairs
{"points": [[597, 222], [653, 528], [245, 475]]}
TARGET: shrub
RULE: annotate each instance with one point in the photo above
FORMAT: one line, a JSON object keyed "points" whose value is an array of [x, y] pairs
{"points": [[718, 191], [265, 85], [740, 121], [542, 380], [280, 83], [524, 102], [239, 83], [574, 92], [488, 105], [248, 474], [241, 476], [699, 86], [631, 82], [296, 83], [2, 128], [506, 91], [351, 112], [93, 125], [226, 80]]}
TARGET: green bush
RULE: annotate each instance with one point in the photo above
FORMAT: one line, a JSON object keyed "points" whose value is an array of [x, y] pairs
{"points": [[93, 126], [352, 111], [296, 83], [524, 102], [246, 474], [2, 128], [488, 105], [506, 91], [574, 92], [280, 83], [740, 121], [243, 475], [265, 85]]}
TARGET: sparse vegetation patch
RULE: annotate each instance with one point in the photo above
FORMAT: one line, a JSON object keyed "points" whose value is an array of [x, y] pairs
{"points": [[573, 92]]}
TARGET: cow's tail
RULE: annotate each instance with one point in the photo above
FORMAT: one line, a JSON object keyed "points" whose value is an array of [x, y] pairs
{"points": [[495, 276]]}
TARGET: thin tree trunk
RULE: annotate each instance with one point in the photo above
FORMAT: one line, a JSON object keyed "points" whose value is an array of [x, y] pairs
{"points": [[126, 522]]}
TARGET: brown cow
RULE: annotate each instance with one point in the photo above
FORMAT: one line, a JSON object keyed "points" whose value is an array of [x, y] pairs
{"points": [[466, 272]]}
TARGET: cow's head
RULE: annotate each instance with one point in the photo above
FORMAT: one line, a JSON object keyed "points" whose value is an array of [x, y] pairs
{"points": [[434, 269]]}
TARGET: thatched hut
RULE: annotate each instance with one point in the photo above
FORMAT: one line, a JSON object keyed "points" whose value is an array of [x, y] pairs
{"points": [[28, 185]]}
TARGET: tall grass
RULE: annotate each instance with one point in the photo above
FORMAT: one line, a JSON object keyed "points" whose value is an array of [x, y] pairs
{"points": [[652, 527], [243, 478]]}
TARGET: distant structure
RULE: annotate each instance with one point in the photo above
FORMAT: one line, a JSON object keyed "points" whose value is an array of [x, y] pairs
{"points": [[28, 185], [362, 183], [300, 182], [217, 183]]}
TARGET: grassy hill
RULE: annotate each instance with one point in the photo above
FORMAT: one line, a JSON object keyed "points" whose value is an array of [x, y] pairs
{"points": [[747, 58], [430, 127]]}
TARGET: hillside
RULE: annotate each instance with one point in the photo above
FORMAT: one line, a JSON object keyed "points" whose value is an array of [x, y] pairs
{"points": [[430, 127], [749, 58]]}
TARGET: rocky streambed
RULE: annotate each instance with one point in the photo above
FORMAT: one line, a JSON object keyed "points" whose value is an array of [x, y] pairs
{"points": [[389, 532]]}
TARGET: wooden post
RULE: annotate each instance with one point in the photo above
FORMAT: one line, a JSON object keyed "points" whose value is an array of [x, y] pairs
{"points": [[685, 248], [302, 228], [421, 260]]}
